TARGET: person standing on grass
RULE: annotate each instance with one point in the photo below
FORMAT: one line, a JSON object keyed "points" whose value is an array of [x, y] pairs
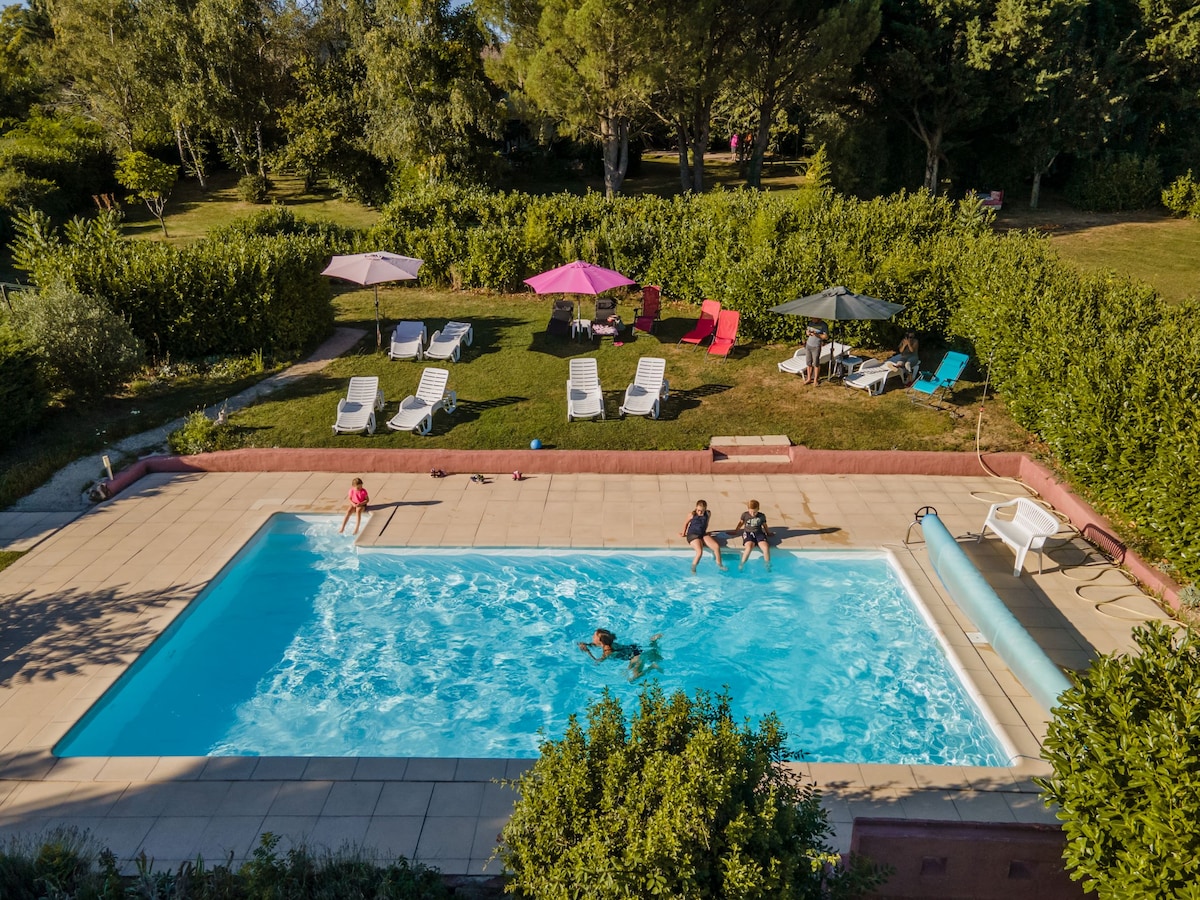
{"points": [[695, 532], [816, 335], [358, 498]]}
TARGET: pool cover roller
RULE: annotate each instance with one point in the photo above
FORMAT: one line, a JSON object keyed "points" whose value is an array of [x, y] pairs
{"points": [[975, 597]]}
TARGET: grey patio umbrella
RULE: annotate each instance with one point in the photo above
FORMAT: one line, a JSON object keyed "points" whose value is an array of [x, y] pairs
{"points": [[373, 269], [839, 304]]}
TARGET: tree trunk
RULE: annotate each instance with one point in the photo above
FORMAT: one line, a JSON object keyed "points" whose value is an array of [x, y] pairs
{"points": [[681, 143], [766, 113], [614, 137], [259, 148], [192, 161], [701, 131], [933, 156], [1035, 192]]}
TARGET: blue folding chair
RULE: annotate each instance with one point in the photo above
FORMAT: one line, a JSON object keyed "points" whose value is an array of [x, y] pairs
{"points": [[925, 387]]}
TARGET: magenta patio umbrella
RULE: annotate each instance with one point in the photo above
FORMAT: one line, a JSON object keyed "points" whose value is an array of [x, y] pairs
{"points": [[373, 269], [578, 277]]}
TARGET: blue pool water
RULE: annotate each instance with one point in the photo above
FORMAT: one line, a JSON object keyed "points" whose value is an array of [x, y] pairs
{"points": [[304, 647]]}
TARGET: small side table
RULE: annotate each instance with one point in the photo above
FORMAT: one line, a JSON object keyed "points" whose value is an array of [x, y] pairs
{"points": [[851, 364], [581, 326]]}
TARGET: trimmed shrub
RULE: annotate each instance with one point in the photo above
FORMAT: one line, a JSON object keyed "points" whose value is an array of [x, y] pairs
{"points": [[679, 801], [200, 434], [84, 346], [1182, 196], [254, 188], [1122, 746], [23, 395], [1112, 185]]}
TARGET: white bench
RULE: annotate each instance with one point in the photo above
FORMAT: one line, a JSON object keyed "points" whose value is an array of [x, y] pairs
{"points": [[1027, 530]]}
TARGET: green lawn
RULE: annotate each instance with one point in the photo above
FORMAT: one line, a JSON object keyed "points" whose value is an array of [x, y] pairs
{"points": [[511, 389], [1162, 251], [192, 213]]}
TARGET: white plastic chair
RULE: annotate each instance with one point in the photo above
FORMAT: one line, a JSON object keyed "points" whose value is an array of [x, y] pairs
{"points": [[585, 397], [447, 342], [644, 397], [1027, 530], [416, 410], [356, 411], [407, 341]]}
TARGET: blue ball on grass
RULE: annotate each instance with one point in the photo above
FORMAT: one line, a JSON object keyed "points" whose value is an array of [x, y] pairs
{"points": [[535, 444]]}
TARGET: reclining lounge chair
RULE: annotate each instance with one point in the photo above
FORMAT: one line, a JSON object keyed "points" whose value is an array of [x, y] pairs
{"points": [[644, 397], [416, 410], [407, 341], [447, 342], [356, 411], [703, 329], [585, 397]]}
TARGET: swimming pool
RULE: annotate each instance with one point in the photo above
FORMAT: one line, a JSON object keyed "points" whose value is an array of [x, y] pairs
{"points": [[304, 647]]}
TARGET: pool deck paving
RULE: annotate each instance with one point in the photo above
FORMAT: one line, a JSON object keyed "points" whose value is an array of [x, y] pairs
{"points": [[81, 606]]}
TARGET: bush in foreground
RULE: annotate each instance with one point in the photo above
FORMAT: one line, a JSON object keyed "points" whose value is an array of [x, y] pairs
{"points": [[66, 864], [680, 801], [1125, 749]]}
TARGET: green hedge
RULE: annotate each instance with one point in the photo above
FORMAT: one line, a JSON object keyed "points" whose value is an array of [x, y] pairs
{"points": [[254, 286], [23, 395], [1106, 373], [748, 249]]}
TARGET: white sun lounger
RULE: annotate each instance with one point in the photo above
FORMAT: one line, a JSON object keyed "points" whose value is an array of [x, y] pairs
{"points": [[585, 398], [872, 376], [796, 363], [416, 410], [644, 397], [407, 341], [356, 411], [447, 342]]}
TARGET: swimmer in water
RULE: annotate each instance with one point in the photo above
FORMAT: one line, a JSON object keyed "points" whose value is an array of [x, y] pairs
{"points": [[640, 661]]}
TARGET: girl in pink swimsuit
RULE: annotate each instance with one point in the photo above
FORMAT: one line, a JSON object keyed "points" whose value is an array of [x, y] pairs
{"points": [[358, 502]]}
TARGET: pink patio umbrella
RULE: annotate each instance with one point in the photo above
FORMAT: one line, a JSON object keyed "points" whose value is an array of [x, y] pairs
{"points": [[373, 269], [578, 277]]}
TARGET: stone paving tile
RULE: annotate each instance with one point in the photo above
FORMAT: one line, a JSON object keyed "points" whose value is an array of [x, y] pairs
{"points": [[390, 837], [338, 833], [447, 837]]}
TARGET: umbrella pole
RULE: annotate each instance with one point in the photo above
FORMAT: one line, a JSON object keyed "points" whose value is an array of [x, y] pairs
{"points": [[378, 335]]}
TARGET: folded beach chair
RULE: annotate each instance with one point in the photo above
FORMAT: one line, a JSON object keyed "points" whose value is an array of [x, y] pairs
{"points": [[562, 314], [795, 364], [447, 342], [606, 308], [416, 410], [356, 411], [703, 329], [644, 397], [407, 340], [585, 398], [725, 334], [924, 389], [647, 314], [872, 376]]}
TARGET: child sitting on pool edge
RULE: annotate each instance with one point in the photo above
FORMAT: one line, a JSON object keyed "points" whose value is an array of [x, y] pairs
{"points": [[753, 526], [358, 498]]}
